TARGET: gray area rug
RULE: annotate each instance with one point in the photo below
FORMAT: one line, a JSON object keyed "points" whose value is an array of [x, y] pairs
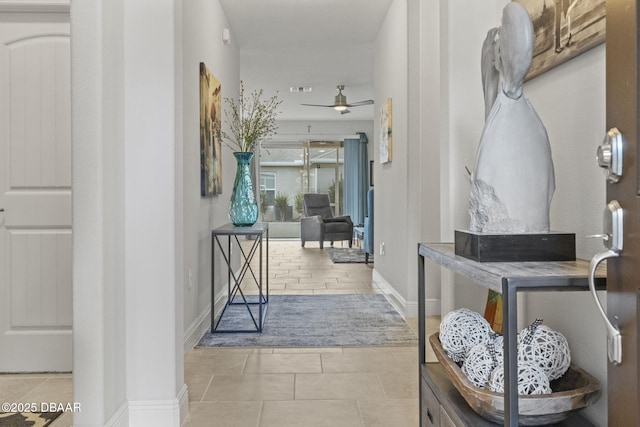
{"points": [[318, 321], [347, 255], [27, 419]]}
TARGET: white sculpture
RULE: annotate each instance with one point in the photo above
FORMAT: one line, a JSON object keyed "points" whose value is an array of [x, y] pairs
{"points": [[513, 180]]}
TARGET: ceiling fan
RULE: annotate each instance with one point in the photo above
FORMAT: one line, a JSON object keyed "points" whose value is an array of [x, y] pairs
{"points": [[341, 104]]}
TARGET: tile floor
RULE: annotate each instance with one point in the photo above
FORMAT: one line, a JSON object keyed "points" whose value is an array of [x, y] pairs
{"points": [[351, 387]]}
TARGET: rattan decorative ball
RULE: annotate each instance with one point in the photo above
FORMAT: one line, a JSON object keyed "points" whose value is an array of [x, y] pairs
{"points": [[545, 348], [478, 365], [498, 348], [531, 380], [462, 329]]}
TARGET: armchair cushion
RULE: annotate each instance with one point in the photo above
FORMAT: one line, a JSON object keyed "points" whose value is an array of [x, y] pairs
{"points": [[317, 204], [338, 219]]}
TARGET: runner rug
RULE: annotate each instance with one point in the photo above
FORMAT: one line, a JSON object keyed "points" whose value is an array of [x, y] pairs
{"points": [[27, 419], [317, 321], [347, 255]]}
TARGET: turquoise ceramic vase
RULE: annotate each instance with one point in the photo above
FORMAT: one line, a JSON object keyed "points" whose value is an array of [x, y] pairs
{"points": [[243, 209]]}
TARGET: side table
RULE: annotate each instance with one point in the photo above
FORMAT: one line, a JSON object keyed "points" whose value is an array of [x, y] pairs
{"points": [[237, 301], [507, 278]]}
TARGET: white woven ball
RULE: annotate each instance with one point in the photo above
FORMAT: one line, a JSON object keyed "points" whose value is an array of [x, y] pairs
{"points": [[498, 346], [546, 348], [478, 365], [531, 380], [462, 329]]}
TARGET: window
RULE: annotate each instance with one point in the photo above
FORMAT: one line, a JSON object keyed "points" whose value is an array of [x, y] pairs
{"points": [[268, 186]]}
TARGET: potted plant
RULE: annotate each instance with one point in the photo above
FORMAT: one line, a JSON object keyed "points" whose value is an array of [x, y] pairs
{"points": [[299, 200], [250, 119], [281, 203], [264, 203]]}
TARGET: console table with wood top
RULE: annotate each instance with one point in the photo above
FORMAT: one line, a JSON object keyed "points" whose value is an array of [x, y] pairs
{"points": [[257, 234], [507, 278]]}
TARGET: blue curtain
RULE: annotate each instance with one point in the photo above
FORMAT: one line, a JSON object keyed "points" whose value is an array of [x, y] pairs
{"points": [[356, 178]]}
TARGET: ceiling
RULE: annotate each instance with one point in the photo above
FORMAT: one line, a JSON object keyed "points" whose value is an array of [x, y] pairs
{"points": [[318, 43]]}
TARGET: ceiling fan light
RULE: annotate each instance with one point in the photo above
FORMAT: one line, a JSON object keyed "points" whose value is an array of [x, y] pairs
{"points": [[340, 103]]}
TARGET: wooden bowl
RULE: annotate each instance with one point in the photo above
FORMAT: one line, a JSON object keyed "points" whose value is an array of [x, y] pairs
{"points": [[575, 390]]}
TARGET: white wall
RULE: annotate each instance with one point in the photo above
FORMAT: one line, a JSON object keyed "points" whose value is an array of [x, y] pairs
{"points": [[204, 21], [127, 303], [570, 100], [392, 179], [151, 291], [464, 27], [98, 267], [324, 127], [426, 101], [445, 121], [408, 189]]}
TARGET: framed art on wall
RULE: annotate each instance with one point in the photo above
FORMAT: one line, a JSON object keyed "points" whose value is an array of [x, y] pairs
{"points": [[210, 145], [563, 29], [386, 137]]}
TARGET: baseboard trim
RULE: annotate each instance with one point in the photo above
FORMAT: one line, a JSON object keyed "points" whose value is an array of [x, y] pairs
{"points": [[202, 323], [197, 329], [48, 6], [183, 402], [157, 413], [120, 418], [407, 309]]}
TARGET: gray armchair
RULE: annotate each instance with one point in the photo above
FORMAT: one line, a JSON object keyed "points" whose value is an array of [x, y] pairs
{"points": [[318, 223]]}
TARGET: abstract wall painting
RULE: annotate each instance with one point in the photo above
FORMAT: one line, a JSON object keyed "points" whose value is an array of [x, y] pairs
{"points": [[210, 145], [386, 137], [563, 30]]}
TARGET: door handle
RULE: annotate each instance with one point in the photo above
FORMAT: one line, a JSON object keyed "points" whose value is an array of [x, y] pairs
{"points": [[613, 240], [614, 339]]}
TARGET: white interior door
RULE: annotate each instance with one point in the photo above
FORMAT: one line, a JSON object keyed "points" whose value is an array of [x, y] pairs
{"points": [[35, 193]]}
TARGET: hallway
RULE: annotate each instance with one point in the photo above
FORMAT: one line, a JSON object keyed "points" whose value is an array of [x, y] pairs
{"points": [[305, 386], [282, 386]]}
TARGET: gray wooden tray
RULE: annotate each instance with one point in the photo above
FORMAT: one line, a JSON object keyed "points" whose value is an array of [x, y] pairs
{"points": [[575, 390]]}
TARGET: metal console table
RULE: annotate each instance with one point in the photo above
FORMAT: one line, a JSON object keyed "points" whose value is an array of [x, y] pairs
{"points": [[508, 278], [258, 232]]}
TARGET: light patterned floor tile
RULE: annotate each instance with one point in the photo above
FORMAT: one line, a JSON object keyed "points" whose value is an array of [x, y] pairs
{"points": [[350, 386], [249, 387], [338, 386], [385, 413], [283, 363], [203, 363], [327, 413], [399, 385], [359, 362], [236, 414], [13, 387]]}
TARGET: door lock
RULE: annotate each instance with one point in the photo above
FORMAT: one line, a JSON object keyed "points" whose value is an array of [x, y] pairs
{"points": [[609, 155], [612, 238]]}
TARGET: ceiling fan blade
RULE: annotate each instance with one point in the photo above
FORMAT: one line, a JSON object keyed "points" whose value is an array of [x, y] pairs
{"points": [[359, 103], [345, 112], [318, 105]]}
